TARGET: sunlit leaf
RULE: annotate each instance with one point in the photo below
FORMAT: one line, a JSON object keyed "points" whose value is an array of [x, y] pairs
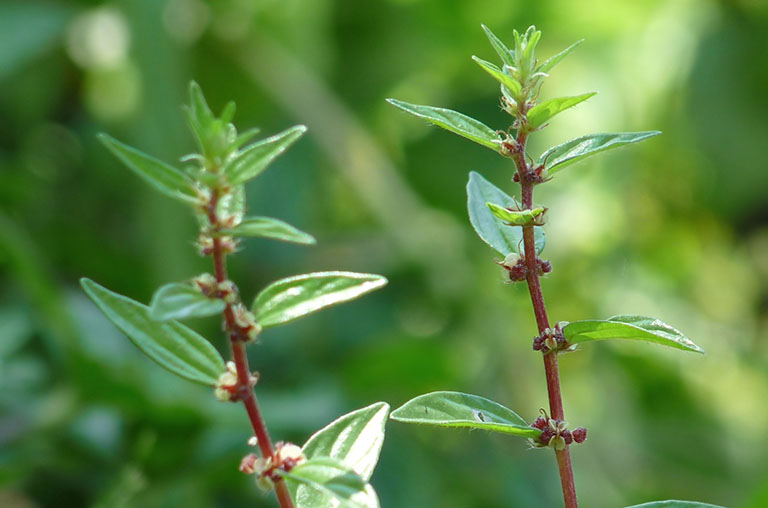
{"points": [[514, 217], [674, 504], [454, 409], [504, 239], [180, 301], [166, 179], [642, 328], [550, 62], [267, 227], [560, 156], [453, 121], [253, 159], [502, 77], [169, 343], [329, 477], [504, 53], [542, 112], [294, 297]]}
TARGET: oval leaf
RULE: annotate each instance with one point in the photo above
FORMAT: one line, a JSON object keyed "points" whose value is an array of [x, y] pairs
{"points": [[501, 49], [267, 227], [502, 77], [454, 409], [294, 297], [330, 478], [541, 113], [674, 504], [560, 156], [628, 327], [179, 301], [166, 179], [514, 217], [550, 62], [504, 239], [253, 159], [171, 344], [453, 121]]}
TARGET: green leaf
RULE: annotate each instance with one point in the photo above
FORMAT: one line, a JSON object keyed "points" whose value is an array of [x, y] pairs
{"points": [[628, 327], [267, 227], [453, 121], [502, 77], [328, 477], [515, 217], [294, 297], [504, 239], [179, 301], [560, 156], [541, 113], [167, 179], [504, 53], [253, 159], [454, 409], [169, 343], [674, 504], [554, 60]]}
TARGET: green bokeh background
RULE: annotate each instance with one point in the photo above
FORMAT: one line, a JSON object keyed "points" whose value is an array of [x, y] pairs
{"points": [[675, 228]]}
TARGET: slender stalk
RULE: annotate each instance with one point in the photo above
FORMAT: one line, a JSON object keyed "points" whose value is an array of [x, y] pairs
{"points": [[542, 321], [237, 340]]}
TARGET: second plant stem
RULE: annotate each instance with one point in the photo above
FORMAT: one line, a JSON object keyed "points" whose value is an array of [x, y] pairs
{"points": [[237, 341]]}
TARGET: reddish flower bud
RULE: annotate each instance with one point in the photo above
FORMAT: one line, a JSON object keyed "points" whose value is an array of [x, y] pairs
{"points": [[579, 434]]}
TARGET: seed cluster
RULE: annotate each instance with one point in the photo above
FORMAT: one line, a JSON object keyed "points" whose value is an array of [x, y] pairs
{"points": [[555, 433], [551, 339]]}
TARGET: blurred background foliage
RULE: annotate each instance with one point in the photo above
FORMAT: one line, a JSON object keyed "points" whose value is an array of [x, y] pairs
{"points": [[675, 228]]}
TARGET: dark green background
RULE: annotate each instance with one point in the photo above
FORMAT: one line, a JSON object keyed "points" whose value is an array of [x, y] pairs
{"points": [[674, 228]]}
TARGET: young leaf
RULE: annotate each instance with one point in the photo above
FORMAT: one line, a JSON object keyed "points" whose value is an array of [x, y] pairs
{"points": [[328, 477], [454, 409], [515, 217], [253, 159], [453, 121], [170, 344], [166, 179], [179, 301], [542, 112], [674, 504], [232, 204], [502, 77], [560, 156], [267, 227], [294, 297], [628, 327], [504, 239], [554, 60], [504, 53]]}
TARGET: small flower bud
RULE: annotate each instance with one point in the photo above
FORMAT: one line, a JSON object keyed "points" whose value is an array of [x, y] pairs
{"points": [[247, 464], [253, 441], [226, 386], [579, 434], [539, 423]]}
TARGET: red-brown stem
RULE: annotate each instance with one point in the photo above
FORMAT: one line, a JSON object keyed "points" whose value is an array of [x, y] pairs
{"points": [[237, 340], [542, 321]]}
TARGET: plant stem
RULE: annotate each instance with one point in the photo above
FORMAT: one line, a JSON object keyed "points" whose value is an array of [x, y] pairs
{"points": [[237, 341], [542, 321]]}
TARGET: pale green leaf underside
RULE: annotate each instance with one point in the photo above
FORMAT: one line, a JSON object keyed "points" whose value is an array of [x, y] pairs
{"points": [[550, 62], [642, 328], [514, 217], [454, 409], [267, 227], [170, 344], [499, 75], [330, 478], [180, 301], [560, 156], [501, 49], [674, 504], [542, 112], [253, 159], [453, 121], [501, 237], [294, 297], [163, 177]]}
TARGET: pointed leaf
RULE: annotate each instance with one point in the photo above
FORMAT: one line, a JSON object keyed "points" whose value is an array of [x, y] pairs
{"points": [[560, 156], [504, 239], [454, 409], [515, 217], [328, 477], [294, 297], [166, 179], [504, 53], [253, 159], [541, 113], [170, 344], [554, 60], [180, 301], [267, 227], [675, 504], [453, 121], [502, 77], [628, 327]]}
